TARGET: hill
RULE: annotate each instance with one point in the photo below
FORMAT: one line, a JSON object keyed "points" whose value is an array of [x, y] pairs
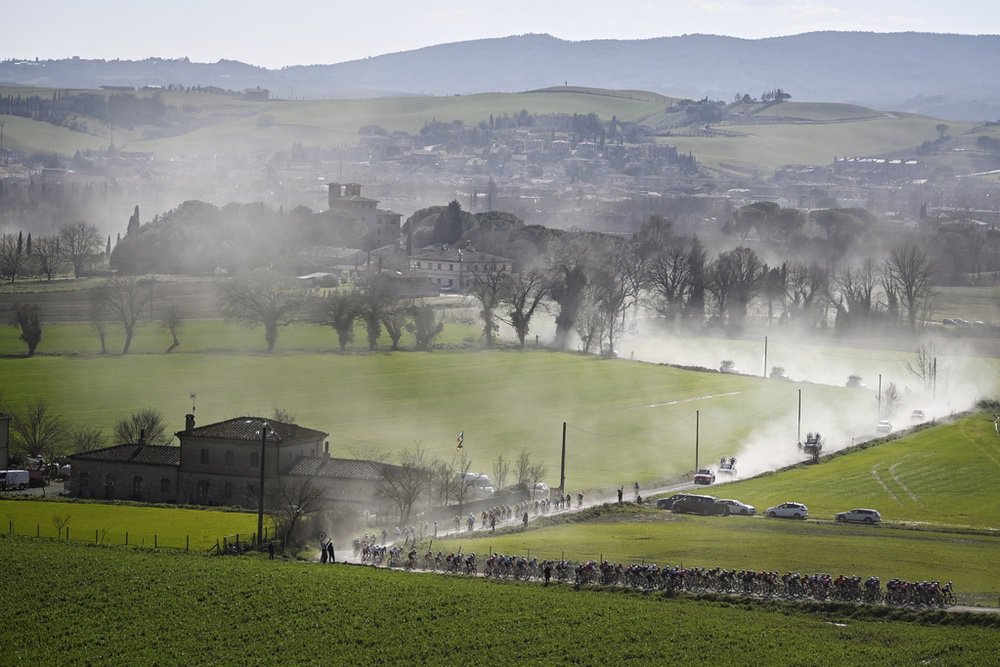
{"points": [[944, 75]]}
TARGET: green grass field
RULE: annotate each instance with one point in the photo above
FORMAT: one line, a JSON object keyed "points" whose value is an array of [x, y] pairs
{"points": [[627, 420], [768, 147], [92, 522], [129, 606]]}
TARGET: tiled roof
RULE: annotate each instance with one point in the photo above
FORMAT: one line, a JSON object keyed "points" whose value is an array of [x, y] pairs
{"points": [[314, 466], [453, 254], [249, 428], [159, 455]]}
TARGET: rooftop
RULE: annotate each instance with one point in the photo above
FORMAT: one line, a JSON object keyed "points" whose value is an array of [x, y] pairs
{"points": [[249, 428], [315, 466], [163, 455]]}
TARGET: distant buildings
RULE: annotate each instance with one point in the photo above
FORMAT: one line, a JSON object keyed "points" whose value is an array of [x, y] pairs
{"points": [[383, 226]]}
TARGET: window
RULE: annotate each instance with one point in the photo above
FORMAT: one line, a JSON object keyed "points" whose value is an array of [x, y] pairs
{"points": [[204, 456], [84, 480], [251, 491], [229, 457], [450, 281], [110, 484], [439, 266], [137, 485], [254, 459], [203, 488], [227, 490], [164, 485], [451, 267], [418, 265]]}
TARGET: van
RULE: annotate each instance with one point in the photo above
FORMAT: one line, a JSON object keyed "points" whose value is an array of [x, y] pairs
{"points": [[14, 479]]}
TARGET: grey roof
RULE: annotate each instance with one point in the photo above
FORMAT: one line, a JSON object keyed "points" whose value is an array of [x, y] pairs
{"points": [[249, 428], [157, 455], [315, 466]]}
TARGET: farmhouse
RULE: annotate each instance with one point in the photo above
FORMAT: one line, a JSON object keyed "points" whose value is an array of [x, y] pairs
{"points": [[382, 225], [452, 268], [220, 464]]}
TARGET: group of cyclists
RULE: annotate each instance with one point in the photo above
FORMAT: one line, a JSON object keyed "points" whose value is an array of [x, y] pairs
{"points": [[651, 577]]}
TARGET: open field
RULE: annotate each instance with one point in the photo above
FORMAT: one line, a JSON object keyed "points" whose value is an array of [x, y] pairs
{"points": [[91, 522], [626, 419], [822, 112], [113, 604], [770, 146]]}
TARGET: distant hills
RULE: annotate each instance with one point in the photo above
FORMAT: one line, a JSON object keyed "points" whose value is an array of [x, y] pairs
{"points": [[946, 76]]}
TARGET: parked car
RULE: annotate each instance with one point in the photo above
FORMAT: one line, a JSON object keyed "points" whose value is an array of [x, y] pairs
{"points": [[860, 515], [727, 506], [668, 503], [917, 416], [694, 504], [788, 511], [884, 426], [704, 476]]}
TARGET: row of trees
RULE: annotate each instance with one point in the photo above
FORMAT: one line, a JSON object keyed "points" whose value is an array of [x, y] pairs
{"points": [[49, 256]]}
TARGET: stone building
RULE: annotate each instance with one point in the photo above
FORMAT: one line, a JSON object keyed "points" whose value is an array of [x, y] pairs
{"points": [[383, 226]]}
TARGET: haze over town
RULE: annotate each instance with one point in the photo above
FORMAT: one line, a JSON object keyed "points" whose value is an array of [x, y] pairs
{"points": [[276, 34]]}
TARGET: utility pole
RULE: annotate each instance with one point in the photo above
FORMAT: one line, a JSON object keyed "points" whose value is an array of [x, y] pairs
{"points": [[697, 428], [880, 396], [764, 374], [798, 433], [562, 463], [3, 160]]}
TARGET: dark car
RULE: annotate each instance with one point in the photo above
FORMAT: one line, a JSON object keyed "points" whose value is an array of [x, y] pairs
{"points": [[694, 504], [668, 503]]}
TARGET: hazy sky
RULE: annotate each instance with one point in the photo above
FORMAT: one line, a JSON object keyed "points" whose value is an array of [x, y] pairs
{"points": [[294, 32]]}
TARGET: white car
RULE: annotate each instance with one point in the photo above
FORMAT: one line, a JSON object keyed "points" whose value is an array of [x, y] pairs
{"points": [[917, 416], [884, 426], [788, 511], [729, 506], [860, 515]]}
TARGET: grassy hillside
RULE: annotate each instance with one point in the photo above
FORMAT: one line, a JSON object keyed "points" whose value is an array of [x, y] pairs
{"points": [[135, 607], [819, 112], [216, 123], [626, 420], [768, 147], [931, 488]]}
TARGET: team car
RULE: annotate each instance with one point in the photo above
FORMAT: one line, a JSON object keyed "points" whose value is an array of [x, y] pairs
{"points": [[704, 476], [860, 515], [788, 511]]}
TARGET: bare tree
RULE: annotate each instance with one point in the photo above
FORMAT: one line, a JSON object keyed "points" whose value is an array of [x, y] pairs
{"points": [[463, 482], [13, 258], [291, 501], [521, 466], [125, 298], [47, 256], [263, 299], [425, 327], [38, 431], [339, 311], [376, 298], [99, 316], [736, 280], [536, 473], [171, 321], [79, 241], [522, 294], [670, 280], [87, 438], [148, 422], [283, 416], [501, 468], [891, 400], [924, 366], [28, 318], [569, 283], [912, 270], [395, 320], [405, 484], [487, 287]]}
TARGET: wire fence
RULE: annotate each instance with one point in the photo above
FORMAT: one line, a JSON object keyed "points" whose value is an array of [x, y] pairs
{"points": [[140, 538]]}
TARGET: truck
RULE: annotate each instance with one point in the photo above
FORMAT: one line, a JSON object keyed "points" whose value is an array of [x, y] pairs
{"points": [[704, 476], [14, 479]]}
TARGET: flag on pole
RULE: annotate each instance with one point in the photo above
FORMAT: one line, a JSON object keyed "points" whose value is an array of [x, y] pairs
{"points": [[461, 438]]}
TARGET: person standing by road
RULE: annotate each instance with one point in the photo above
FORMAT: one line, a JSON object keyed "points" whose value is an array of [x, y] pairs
{"points": [[636, 487], [524, 520], [621, 489]]}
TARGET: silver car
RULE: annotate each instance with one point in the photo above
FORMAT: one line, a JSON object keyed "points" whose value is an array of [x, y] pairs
{"points": [[788, 511], [860, 515]]}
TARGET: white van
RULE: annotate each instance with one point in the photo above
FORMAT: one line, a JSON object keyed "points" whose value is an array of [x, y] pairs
{"points": [[14, 479]]}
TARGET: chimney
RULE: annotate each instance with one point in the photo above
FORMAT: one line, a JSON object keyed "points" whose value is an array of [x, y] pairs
{"points": [[326, 449], [188, 423], [142, 437]]}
